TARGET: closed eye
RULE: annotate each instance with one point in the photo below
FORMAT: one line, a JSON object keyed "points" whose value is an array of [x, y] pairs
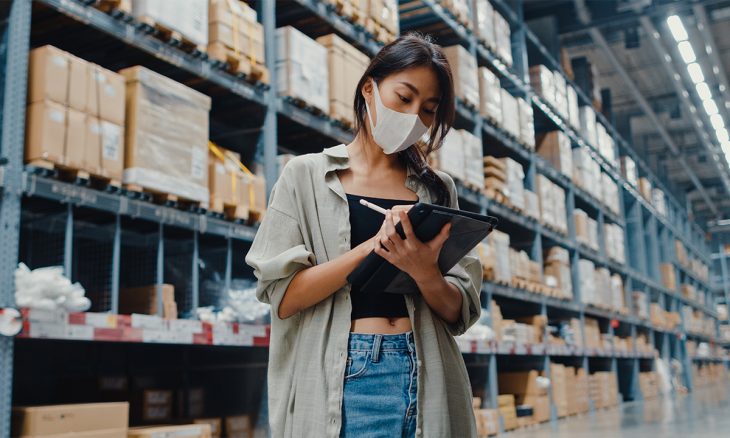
{"points": [[404, 100]]}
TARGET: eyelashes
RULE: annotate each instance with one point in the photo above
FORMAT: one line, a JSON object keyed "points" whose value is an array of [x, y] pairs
{"points": [[407, 101]]}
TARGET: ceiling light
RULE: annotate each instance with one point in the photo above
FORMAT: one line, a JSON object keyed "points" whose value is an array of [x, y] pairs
{"points": [[717, 121], [685, 49], [722, 135], [703, 91], [677, 28], [695, 72], [710, 107]]}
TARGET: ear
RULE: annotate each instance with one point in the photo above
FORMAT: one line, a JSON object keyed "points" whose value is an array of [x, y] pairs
{"points": [[367, 90]]}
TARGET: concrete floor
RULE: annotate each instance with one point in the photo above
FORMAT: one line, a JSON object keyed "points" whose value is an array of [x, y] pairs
{"points": [[705, 413]]}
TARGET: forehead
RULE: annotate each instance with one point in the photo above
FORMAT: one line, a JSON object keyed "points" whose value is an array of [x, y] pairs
{"points": [[423, 78]]}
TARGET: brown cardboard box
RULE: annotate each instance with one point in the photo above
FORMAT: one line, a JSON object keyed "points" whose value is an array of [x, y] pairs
{"points": [[103, 148], [239, 426], [540, 405], [559, 384], [144, 299], [105, 94], [224, 177], [77, 83], [669, 278], [74, 148], [167, 135], [45, 132], [258, 203], [520, 383], [465, 72], [92, 146], [107, 420], [509, 417], [187, 431], [48, 75], [555, 147], [505, 400], [487, 422], [214, 423], [249, 41], [346, 65], [645, 188]]}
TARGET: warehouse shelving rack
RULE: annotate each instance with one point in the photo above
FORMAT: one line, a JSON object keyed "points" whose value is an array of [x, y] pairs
{"points": [[277, 125]]}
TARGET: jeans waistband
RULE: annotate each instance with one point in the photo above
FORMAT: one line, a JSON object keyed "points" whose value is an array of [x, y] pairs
{"points": [[367, 342]]}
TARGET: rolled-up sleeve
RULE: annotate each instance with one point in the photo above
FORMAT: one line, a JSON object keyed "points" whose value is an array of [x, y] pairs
{"points": [[278, 250], [466, 276]]}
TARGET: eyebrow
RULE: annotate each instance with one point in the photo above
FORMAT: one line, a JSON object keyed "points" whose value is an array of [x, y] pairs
{"points": [[415, 90]]}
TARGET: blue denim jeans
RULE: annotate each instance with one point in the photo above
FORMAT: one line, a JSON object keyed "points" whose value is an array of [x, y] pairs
{"points": [[380, 386]]}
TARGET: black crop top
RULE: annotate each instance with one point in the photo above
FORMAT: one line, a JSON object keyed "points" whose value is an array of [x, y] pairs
{"points": [[364, 223]]}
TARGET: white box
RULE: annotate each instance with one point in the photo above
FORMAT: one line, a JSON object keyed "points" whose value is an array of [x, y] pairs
{"points": [[485, 23], [515, 182], [301, 68], [451, 155], [510, 106], [502, 35], [189, 17], [527, 124], [473, 159], [573, 112], [491, 95], [588, 125]]}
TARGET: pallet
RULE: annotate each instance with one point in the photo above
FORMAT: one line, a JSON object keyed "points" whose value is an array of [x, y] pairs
{"points": [[496, 195], [77, 176], [237, 64], [137, 191], [171, 36], [229, 211], [121, 9], [489, 275], [305, 106]]}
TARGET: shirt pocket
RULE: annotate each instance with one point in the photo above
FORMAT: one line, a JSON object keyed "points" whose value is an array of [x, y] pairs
{"points": [[357, 364]]}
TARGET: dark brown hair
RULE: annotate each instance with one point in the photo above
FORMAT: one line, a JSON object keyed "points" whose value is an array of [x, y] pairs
{"points": [[409, 51]]}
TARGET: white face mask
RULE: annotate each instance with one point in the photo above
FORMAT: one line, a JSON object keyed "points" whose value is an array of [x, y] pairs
{"points": [[396, 131]]}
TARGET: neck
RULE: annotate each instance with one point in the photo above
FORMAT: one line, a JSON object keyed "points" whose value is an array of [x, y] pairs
{"points": [[367, 153]]}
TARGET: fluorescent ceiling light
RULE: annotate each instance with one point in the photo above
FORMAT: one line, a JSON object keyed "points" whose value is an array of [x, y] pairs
{"points": [[695, 72], [710, 107], [677, 28], [685, 49], [722, 135], [703, 91], [717, 121]]}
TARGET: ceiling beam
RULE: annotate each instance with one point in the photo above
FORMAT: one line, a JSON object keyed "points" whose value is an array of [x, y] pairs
{"points": [[597, 36]]}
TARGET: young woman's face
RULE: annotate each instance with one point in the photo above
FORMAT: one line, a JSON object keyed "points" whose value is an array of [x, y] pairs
{"points": [[412, 91]]}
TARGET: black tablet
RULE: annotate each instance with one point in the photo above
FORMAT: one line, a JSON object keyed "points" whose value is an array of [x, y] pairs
{"points": [[375, 274]]}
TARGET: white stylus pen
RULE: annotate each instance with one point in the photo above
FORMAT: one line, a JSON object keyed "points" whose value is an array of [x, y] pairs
{"points": [[372, 206]]}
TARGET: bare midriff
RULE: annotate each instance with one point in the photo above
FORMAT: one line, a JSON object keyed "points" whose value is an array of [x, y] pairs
{"points": [[381, 326]]}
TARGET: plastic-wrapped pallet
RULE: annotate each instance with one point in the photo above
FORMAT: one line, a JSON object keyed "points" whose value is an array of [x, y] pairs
{"points": [[532, 205], [617, 293], [573, 111], [545, 195], [587, 275], [561, 94], [464, 70], [561, 214], [485, 23], [527, 123], [554, 146], [473, 159], [610, 192], [491, 95], [593, 233], [602, 292], [541, 79], [659, 202], [628, 169], [301, 68], [515, 182], [498, 243], [510, 106], [451, 157], [236, 36], [346, 66], [167, 135], [580, 218], [502, 35], [188, 17], [588, 125]]}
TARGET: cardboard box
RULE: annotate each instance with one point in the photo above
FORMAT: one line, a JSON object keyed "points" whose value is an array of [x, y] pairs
{"points": [[451, 156], [302, 68], [588, 125], [555, 147], [491, 95], [573, 111], [45, 132], [524, 382], [48, 75], [187, 431], [464, 71], [541, 79], [107, 420], [239, 426], [527, 124], [103, 148], [74, 144], [487, 422], [78, 81], [502, 35], [105, 94], [484, 25], [510, 106], [216, 426], [167, 135], [346, 65], [669, 276], [506, 400], [385, 13], [144, 299], [645, 188], [559, 383], [188, 17]]}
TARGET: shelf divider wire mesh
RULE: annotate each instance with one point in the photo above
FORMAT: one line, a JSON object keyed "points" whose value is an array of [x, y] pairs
{"points": [[178, 264], [42, 233], [93, 240], [138, 254]]}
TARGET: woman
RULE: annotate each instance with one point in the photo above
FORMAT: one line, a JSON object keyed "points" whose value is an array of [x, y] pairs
{"points": [[342, 363]]}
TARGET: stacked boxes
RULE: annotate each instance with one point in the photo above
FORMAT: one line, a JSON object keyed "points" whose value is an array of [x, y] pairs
{"points": [[238, 426], [495, 178], [645, 188], [491, 95], [502, 36], [617, 294], [515, 176], [215, 424], [554, 146], [185, 430], [527, 124], [628, 170], [484, 23], [235, 36], [187, 17], [610, 193], [302, 68], [559, 383], [603, 389], [640, 304], [588, 125], [507, 411], [658, 200], [552, 204], [523, 268], [108, 420], [579, 403], [450, 155], [586, 229], [144, 300], [487, 419], [592, 333], [510, 106], [648, 384], [615, 242], [383, 22], [495, 259], [233, 190], [587, 275], [557, 270], [587, 173], [460, 10], [532, 205], [669, 276], [464, 70], [561, 100], [680, 252], [573, 109], [541, 79], [167, 136], [75, 114], [461, 157], [527, 392], [346, 65]]}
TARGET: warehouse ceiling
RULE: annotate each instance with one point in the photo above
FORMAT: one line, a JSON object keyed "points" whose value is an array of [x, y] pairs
{"points": [[627, 27]]}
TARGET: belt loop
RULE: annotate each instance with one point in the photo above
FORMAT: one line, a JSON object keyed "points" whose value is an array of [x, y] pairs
{"points": [[376, 347]]}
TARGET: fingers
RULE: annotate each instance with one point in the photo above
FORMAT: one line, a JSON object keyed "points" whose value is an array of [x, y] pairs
{"points": [[407, 226], [390, 227]]}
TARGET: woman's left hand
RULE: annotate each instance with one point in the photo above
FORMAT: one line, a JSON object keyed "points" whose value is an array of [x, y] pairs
{"points": [[410, 255]]}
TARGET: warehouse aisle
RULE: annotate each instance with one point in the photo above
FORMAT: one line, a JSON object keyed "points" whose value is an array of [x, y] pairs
{"points": [[705, 413]]}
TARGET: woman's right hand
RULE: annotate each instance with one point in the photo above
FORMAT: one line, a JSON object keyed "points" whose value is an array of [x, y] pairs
{"points": [[375, 240]]}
